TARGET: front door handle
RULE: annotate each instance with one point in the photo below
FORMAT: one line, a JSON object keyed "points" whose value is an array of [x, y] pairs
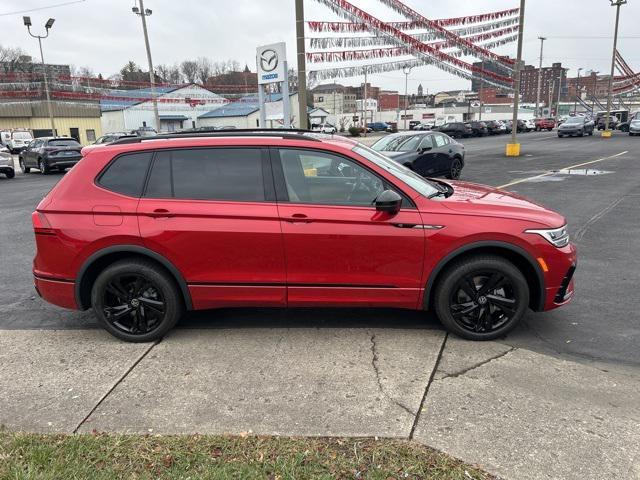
{"points": [[298, 218], [160, 213]]}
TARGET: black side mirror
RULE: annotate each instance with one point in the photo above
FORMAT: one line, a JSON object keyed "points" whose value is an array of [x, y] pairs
{"points": [[388, 202], [424, 149]]}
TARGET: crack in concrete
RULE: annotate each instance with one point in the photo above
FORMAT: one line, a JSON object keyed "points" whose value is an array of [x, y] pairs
{"points": [[477, 365], [374, 364]]}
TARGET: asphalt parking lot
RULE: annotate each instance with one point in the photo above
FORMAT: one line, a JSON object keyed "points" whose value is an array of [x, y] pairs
{"points": [[594, 182]]}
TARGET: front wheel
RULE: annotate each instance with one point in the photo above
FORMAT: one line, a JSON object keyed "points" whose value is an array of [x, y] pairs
{"points": [[456, 169], [481, 298], [136, 301]]}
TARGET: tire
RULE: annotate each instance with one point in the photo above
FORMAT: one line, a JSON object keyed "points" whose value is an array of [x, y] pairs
{"points": [[505, 309], [132, 285], [23, 167], [455, 170], [10, 174], [591, 133], [43, 167], [581, 134], [560, 136]]}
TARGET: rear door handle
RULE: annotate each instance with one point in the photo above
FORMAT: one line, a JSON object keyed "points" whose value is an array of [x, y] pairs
{"points": [[298, 218], [160, 213]]}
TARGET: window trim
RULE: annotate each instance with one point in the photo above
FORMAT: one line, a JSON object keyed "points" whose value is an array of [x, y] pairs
{"points": [[282, 194], [269, 187]]}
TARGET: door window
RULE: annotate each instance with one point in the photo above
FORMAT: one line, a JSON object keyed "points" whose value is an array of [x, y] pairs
{"points": [[326, 179], [427, 142], [234, 174]]}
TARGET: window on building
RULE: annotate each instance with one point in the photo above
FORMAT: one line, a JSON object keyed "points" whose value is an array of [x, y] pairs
{"points": [[91, 135]]}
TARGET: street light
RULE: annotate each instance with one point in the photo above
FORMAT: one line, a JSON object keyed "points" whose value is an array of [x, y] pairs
{"points": [[575, 101], [143, 13], [406, 70], [47, 26], [617, 4], [539, 113]]}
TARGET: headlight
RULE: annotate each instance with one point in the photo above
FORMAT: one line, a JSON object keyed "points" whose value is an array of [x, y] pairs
{"points": [[558, 237]]}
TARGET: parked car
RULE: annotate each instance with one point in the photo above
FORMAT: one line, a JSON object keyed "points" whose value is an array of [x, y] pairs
{"points": [[576, 126], [112, 137], [530, 125], [455, 129], [425, 126], [478, 129], [324, 128], [506, 124], [48, 153], [143, 231], [613, 122], [15, 140], [378, 126], [521, 128], [6, 163], [634, 125], [494, 127], [413, 124], [544, 124], [430, 154]]}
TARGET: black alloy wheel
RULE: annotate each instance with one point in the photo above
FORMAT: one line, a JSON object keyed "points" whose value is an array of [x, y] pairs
{"points": [[23, 167], [42, 166], [481, 298], [455, 170], [136, 300]]}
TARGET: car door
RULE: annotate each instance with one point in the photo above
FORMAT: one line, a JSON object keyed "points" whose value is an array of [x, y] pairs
{"points": [[339, 249], [426, 163], [444, 153], [31, 155], [212, 213]]}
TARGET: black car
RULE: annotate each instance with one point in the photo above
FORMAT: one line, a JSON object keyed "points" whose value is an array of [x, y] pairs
{"points": [[455, 129], [50, 153], [493, 127], [613, 122], [430, 154], [112, 137], [478, 129], [576, 126]]}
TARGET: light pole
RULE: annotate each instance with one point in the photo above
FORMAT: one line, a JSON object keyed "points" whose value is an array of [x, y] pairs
{"points": [[538, 113], [559, 92], [302, 65], [143, 13], [575, 101], [406, 70], [513, 148], [481, 91], [617, 4], [47, 26]]}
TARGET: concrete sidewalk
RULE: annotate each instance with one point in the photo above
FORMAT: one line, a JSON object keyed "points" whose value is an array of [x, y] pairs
{"points": [[515, 413]]}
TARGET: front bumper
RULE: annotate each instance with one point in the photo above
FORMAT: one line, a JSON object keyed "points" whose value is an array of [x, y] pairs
{"points": [[559, 280]]}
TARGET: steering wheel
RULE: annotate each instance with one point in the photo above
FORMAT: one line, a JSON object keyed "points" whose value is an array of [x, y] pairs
{"points": [[361, 185]]}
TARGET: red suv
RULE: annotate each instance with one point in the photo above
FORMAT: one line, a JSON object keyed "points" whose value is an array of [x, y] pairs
{"points": [[146, 228], [544, 124]]}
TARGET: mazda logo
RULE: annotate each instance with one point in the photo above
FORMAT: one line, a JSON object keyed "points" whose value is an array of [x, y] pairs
{"points": [[269, 60]]}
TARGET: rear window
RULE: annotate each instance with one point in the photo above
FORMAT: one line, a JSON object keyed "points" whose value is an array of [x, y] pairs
{"points": [[22, 135], [126, 174], [233, 174], [63, 143]]}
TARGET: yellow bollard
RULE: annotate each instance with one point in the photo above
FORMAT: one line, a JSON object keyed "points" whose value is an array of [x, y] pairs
{"points": [[513, 150], [606, 134]]}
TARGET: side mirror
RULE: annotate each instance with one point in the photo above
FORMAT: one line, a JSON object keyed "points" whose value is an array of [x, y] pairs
{"points": [[388, 202], [424, 149]]}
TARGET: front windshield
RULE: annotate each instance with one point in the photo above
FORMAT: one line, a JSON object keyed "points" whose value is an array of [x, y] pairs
{"points": [[574, 120], [397, 143], [22, 135], [415, 181]]}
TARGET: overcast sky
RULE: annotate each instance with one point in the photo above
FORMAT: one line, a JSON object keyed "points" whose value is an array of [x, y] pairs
{"points": [[105, 34]]}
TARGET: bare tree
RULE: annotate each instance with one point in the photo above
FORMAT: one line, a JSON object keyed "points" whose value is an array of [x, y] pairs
{"points": [[189, 70], [204, 69], [13, 58]]}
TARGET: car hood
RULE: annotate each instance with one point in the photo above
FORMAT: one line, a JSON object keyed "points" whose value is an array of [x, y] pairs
{"points": [[482, 200]]}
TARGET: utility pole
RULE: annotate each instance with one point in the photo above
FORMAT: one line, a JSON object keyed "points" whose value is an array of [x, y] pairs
{"points": [[481, 90], [575, 101], [302, 65], [364, 102], [407, 70], [617, 4], [559, 92], [513, 148], [144, 13], [47, 26], [538, 112]]}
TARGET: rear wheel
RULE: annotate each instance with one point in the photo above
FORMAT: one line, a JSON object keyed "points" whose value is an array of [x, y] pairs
{"points": [[10, 174], [136, 301], [23, 167], [44, 168], [481, 298], [455, 170]]}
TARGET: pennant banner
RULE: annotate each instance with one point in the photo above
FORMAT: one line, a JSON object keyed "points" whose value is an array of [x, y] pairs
{"points": [[359, 42]]}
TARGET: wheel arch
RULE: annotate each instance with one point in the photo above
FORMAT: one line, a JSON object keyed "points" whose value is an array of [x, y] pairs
{"points": [[517, 255], [99, 260]]}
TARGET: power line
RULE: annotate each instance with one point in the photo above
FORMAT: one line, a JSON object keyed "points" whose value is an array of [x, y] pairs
{"points": [[19, 12]]}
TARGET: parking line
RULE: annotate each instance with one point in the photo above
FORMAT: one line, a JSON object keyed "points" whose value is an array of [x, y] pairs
{"points": [[551, 172]]}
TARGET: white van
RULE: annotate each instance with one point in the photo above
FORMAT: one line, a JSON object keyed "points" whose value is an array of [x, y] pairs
{"points": [[16, 140]]}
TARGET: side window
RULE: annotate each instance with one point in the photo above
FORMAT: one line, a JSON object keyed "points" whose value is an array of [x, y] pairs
{"points": [[326, 179], [427, 142], [440, 140], [233, 174], [126, 174]]}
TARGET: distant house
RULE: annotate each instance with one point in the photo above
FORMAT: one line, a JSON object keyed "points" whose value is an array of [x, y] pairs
{"points": [[178, 107], [245, 113], [450, 97]]}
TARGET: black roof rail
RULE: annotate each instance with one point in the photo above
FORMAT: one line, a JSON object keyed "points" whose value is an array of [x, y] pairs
{"points": [[288, 134]]}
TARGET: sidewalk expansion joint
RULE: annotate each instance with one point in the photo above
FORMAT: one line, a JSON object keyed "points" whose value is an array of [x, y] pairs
{"points": [[477, 365], [117, 382], [426, 390], [374, 364]]}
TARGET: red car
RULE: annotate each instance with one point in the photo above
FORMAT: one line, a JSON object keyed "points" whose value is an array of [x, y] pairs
{"points": [[544, 124], [146, 228]]}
